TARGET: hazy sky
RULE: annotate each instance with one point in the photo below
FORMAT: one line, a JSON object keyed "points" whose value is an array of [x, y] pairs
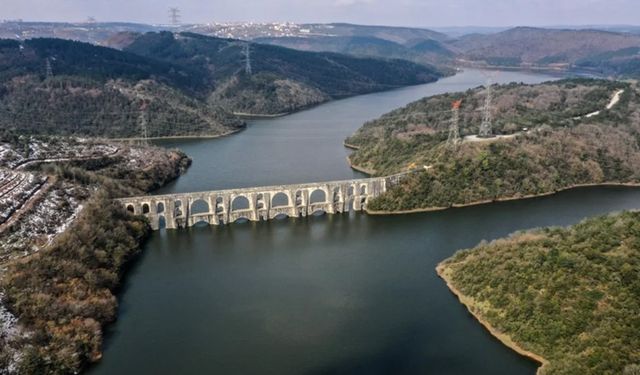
{"points": [[388, 12]]}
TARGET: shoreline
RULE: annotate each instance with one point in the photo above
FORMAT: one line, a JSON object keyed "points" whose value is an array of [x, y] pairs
{"points": [[368, 172], [505, 199], [257, 116], [505, 339], [249, 116], [558, 71], [350, 146], [213, 136]]}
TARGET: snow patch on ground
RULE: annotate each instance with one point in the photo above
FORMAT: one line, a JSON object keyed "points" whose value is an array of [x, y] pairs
{"points": [[9, 332]]}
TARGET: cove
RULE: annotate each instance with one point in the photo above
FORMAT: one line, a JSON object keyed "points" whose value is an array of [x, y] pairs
{"points": [[342, 294]]}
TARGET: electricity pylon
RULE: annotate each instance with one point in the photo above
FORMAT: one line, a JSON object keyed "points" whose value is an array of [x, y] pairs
{"points": [[454, 130], [48, 68], [174, 16], [142, 120], [486, 127], [247, 59]]}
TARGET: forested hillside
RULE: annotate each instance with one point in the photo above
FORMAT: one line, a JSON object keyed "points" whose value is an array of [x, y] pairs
{"points": [[168, 85], [63, 254], [280, 79], [53, 86], [551, 144], [569, 295], [597, 51], [422, 51]]}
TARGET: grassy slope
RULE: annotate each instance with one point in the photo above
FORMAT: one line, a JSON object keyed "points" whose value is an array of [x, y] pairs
{"points": [[569, 295], [559, 153]]}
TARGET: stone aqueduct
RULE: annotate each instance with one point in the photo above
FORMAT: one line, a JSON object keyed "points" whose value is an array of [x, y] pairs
{"points": [[257, 203]]}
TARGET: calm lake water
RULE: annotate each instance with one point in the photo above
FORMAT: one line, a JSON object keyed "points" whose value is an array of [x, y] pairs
{"points": [[343, 294]]}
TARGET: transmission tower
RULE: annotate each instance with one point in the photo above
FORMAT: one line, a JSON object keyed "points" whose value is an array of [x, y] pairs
{"points": [[247, 59], [174, 16], [142, 120], [486, 126], [454, 130], [48, 68]]}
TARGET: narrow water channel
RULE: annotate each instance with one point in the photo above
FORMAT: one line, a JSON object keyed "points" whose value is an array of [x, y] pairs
{"points": [[343, 294]]}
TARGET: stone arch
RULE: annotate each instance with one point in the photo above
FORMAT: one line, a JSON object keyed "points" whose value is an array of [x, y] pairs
{"points": [[318, 196], [177, 210], [260, 201], [281, 216], [298, 199], [145, 208], [219, 204], [280, 199], [336, 194], [240, 202], [363, 195], [130, 208], [318, 211], [160, 207], [199, 206], [350, 198]]}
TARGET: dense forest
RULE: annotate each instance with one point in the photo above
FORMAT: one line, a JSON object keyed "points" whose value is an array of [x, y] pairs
{"points": [[64, 294], [421, 51], [174, 85], [569, 295], [53, 86], [281, 79], [560, 148], [598, 51]]}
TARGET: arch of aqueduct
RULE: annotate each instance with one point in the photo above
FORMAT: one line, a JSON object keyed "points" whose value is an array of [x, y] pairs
{"points": [[257, 203]]}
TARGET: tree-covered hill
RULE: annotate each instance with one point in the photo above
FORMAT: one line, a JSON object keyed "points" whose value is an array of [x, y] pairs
{"points": [[174, 84], [598, 51], [69, 58], [422, 51], [569, 295], [552, 145], [54, 86], [281, 79]]}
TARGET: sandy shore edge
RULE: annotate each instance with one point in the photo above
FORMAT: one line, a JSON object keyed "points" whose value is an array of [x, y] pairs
{"points": [[505, 339]]}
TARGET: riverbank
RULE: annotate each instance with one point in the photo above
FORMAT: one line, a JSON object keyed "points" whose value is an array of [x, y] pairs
{"points": [[471, 305], [368, 172], [507, 199], [350, 146], [252, 116], [203, 136]]}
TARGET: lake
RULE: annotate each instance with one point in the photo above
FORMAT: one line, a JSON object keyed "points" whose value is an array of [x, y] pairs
{"points": [[341, 294]]}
